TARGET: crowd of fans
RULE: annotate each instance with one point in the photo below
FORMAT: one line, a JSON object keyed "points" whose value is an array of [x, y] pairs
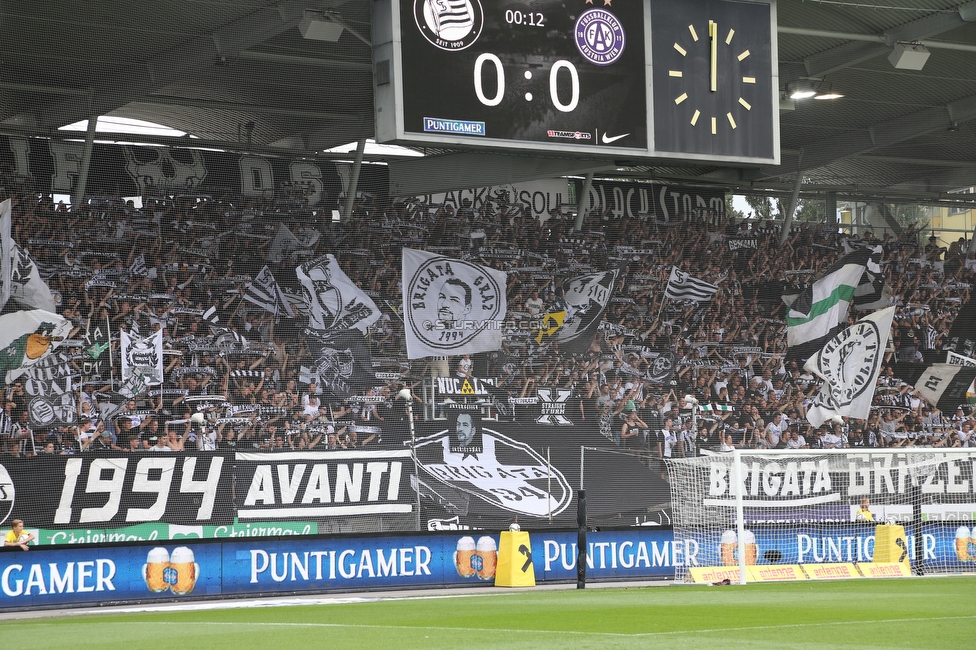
{"points": [[201, 251]]}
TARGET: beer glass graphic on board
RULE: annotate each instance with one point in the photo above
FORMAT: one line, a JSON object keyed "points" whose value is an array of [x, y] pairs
{"points": [[154, 570], [752, 550], [962, 544], [729, 549], [184, 569], [487, 554], [463, 557], [729, 543]]}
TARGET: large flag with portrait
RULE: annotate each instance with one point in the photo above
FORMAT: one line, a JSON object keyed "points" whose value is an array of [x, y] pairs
{"points": [[143, 356], [451, 306], [334, 302]]}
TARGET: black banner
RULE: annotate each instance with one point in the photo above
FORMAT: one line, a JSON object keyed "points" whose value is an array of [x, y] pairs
{"points": [[116, 489], [316, 485], [662, 203], [739, 243], [487, 474], [127, 170]]}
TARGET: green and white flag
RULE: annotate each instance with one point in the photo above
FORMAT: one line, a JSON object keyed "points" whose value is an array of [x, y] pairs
{"points": [[26, 337], [820, 309], [720, 408]]}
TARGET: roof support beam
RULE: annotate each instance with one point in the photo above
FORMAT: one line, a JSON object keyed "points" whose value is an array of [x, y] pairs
{"points": [[168, 67], [852, 143], [859, 50], [247, 108]]}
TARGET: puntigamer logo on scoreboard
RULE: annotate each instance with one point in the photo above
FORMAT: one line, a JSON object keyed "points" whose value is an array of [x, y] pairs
{"points": [[450, 25], [464, 127]]}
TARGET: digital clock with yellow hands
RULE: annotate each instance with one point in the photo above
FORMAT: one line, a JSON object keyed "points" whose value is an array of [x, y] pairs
{"points": [[713, 78]]}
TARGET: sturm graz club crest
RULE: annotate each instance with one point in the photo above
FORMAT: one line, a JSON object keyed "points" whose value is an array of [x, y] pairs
{"points": [[450, 25], [599, 36]]}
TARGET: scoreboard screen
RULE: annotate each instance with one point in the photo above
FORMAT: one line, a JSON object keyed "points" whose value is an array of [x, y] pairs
{"points": [[579, 76]]}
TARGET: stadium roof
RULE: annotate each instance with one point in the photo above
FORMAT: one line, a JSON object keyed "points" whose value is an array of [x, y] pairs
{"points": [[238, 74]]}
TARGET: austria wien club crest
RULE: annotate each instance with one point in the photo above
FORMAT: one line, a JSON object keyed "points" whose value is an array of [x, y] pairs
{"points": [[599, 36]]}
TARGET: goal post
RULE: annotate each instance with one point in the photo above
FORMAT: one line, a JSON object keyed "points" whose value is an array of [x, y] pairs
{"points": [[794, 514]]}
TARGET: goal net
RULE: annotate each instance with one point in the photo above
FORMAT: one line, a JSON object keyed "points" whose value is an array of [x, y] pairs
{"points": [[826, 513]]}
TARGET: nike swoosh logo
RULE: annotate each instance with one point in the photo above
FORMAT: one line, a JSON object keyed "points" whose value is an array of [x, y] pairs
{"points": [[608, 139]]}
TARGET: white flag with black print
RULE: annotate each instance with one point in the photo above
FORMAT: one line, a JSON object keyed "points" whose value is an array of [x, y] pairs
{"points": [[27, 337], [266, 294], [285, 242], [6, 248], [138, 266], [451, 306], [334, 302], [143, 356], [849, 364], [682, 286], [26, 285]]}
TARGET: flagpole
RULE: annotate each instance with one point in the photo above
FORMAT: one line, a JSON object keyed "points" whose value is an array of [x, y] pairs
{"points": [[111, 356]]}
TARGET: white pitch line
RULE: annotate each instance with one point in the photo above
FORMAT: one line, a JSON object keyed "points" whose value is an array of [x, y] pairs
{"points": [[429, 628]]}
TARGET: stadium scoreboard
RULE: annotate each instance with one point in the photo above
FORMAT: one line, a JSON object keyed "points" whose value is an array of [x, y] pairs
{"points": [[671, 79]]}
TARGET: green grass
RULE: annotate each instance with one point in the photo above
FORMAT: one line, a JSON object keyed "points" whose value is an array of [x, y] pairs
{"points": [[922, 613]]}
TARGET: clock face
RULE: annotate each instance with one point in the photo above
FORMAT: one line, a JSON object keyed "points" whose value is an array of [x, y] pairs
{"points": [[561, 73], [713, 87]]}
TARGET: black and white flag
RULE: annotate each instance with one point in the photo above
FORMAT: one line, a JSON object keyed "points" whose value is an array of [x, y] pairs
{"points": [[266, 294], [451, 306], [873, 292], [285, 242], [342, 363], [962, 334], [583, 303], [334, 302], [849, 364], [143, 356], [682, 286], [26, 285], [943, 384], [138, 266]]}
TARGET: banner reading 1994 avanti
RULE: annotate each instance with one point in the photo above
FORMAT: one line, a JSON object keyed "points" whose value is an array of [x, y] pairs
{"points": [[472, 474]]}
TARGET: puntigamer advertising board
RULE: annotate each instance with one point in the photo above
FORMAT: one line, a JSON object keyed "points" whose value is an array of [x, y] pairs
{"points": [[199, 569]]}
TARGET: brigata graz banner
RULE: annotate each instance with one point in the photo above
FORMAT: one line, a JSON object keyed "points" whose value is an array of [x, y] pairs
{"points": [[486, 474], [115, 490], [791, 482]]}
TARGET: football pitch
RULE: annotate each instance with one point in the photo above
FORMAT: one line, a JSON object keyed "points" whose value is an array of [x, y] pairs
{"points": [[910, 613]]}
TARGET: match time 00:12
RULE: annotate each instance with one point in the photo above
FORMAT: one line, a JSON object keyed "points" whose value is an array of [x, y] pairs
{"points": [[529, 18]]}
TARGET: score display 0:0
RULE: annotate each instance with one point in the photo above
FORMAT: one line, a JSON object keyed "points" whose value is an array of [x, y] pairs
{"points": [[558, 65], [516, 17]]}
